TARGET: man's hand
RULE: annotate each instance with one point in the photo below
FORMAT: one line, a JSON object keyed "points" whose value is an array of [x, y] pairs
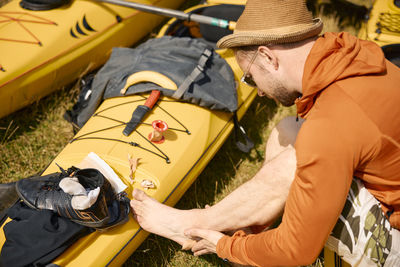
{"points": [[207, 243]]}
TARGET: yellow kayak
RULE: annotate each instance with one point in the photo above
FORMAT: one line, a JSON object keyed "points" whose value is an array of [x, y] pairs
{"points": [[41, 51], [383, 24], [193, 137]]}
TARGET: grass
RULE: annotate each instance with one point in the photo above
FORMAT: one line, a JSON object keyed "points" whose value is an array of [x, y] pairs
{"points": [[32, 137]]}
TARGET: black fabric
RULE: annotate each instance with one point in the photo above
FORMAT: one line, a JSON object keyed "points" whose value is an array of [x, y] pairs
{"points": [[392, 53], [119, 211], [35, 238], [37, 5]]}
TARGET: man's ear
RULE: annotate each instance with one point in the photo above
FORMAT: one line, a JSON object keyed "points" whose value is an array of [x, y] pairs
{"points": [[268, 55]]}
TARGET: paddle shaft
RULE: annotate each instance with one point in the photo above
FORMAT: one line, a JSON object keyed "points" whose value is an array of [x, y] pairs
{"points": [[175, 14]]}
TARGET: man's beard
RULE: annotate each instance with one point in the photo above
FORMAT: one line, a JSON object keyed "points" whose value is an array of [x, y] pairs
{"points": [[283, 95]]}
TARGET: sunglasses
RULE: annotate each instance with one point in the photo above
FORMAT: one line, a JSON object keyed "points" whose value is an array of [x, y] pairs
{"points": [[246, 78]]}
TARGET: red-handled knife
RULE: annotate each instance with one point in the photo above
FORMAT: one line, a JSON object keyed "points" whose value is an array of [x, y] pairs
{"points": [[140, 111]]}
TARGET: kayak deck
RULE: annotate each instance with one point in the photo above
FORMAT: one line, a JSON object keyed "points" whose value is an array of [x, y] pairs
{"points": [[383, 25], [43, 51]]}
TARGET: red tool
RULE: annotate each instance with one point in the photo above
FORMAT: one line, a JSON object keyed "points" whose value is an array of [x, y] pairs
{"points": [[140, 111]]}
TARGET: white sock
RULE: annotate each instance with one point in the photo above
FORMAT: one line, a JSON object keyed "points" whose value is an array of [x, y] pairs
{"points": [[80, 200], [84, 202]]}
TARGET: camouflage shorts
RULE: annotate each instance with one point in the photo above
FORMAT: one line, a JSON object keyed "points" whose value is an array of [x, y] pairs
{"points": [[363, 235]]}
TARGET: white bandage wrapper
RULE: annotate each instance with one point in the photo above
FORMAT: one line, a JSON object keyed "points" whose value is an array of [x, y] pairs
{"points": [[92, 160]]}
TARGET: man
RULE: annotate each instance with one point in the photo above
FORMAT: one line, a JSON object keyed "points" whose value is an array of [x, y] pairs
{"points": [[342, 162]]}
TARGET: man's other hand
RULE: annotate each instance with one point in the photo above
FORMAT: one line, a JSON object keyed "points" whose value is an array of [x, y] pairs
{"points": [[207, 243]]}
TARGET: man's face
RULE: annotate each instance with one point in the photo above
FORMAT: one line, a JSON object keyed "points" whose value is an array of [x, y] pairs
{"points": [[267, 82]]}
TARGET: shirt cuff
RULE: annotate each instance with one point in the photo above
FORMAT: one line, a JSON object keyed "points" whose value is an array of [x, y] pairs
{"points": [[224, 245]]}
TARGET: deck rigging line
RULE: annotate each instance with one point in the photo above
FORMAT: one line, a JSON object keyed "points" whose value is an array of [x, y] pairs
{"points": [[161, 154], [10, 17], [389, 22]]}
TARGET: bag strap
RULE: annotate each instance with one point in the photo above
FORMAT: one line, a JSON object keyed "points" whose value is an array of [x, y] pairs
{"points": [[83, 100], [239, 131], [195, 73]]}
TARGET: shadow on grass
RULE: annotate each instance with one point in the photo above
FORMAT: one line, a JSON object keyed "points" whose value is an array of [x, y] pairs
{"points": [[27, 119], [158, 251]]}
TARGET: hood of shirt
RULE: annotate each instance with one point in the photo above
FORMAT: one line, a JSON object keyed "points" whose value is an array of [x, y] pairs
{"points": [[334, 57]]}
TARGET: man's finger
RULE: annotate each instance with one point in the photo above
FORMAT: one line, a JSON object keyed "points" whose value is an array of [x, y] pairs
{"points": [[202, 252], [212, 236], [188, 244], [196, 232], [199, 245]]}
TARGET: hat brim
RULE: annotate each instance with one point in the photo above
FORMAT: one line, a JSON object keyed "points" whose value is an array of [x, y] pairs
{"points": [[289, 34]]}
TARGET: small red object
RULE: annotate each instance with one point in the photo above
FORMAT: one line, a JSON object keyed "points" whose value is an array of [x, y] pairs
{"points": [[159, 127], [152, 100]]}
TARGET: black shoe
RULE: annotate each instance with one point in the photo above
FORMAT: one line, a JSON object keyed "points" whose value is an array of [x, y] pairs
{"points": [[119, 211], [8, 196], [44, 193]]}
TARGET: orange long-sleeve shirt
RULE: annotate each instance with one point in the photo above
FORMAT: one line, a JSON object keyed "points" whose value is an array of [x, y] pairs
{"points": [[350, 100]]}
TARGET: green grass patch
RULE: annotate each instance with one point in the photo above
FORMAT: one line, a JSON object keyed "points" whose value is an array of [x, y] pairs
{"points": [[32, 137]]}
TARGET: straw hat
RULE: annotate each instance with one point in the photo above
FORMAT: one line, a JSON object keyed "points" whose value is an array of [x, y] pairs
{"points": [[272, 22]]}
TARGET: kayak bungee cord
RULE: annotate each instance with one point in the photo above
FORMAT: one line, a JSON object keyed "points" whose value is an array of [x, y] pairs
{"points": [[118, 105], [134, 144], [122, 123], [186, 130], [82, 137], [97, 131], [144, 98], [9, 17]]}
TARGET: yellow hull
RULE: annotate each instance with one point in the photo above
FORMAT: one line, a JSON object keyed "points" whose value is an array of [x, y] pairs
{"points": [[188, 154], [41, 51], [383, 25]]}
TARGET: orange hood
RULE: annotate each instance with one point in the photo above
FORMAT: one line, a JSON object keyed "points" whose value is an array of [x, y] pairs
{"points": [[334, 57]]}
